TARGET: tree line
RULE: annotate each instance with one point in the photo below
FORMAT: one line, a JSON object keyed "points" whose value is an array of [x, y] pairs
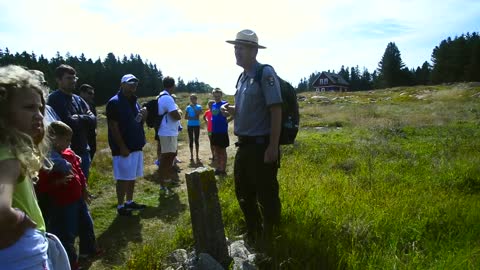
{"points": [[104, 75], [454, 60]]}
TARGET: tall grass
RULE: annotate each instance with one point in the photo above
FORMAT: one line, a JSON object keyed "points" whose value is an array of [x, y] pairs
{"points": [[376, 180], [396, 187]]}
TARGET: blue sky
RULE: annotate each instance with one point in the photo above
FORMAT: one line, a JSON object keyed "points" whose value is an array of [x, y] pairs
{"points": [[187, 38]]}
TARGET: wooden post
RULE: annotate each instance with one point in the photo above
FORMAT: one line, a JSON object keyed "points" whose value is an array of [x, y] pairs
{"points": [[206, 215]]}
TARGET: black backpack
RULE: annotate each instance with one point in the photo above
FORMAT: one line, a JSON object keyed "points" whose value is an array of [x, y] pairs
{"points": [[153, 119], [290, 111]]}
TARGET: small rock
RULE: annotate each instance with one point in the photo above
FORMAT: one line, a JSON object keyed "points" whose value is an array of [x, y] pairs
{"points": [[178, 256], [238, 249], [242, 264], [206, 262]]}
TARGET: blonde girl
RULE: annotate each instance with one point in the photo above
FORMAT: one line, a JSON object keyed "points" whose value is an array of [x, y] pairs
{"points": [[23, 244]]}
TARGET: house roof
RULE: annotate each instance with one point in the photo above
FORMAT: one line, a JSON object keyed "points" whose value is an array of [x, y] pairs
{"points": [[333, 78]]}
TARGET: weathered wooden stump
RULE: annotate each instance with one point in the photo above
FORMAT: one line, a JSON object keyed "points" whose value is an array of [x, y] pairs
{"points": [[206, 215]]}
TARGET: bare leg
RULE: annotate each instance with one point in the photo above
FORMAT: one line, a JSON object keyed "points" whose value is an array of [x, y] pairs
{"points": [[165, 167], [159, 150], [211, 146], [222, 159], [130, 188], [121, 187]]}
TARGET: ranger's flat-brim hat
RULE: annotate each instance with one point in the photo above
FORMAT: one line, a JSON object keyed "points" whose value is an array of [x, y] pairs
{"points": [[248, 38]]}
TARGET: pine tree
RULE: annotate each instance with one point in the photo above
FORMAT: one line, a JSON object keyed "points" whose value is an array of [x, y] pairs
{"points": [[355, 79], [472, 70], [390, 67], [344, 73], [365, 80]]}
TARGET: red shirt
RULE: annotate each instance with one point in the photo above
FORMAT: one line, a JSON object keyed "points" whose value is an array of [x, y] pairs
{"points": [[208, 117], [66, 193]]}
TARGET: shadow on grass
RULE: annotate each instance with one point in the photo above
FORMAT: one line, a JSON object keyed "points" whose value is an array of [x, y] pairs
{"points": [[115, 239], [154, 177], [168, 209], [195, 163]]}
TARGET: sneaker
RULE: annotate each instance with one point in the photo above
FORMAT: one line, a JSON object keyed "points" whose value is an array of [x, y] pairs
{"points": [[134, 206], [124, 212]]}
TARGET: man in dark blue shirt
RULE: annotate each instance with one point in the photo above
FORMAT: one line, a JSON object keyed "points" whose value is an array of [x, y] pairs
{"points": [[126, 138], [74, 112]]}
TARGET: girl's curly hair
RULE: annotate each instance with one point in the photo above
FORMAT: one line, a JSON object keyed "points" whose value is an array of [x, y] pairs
{"points": [[13, 81]]}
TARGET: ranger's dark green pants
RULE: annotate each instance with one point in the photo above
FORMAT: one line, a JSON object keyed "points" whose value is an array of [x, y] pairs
{"points": [[256, 187]]}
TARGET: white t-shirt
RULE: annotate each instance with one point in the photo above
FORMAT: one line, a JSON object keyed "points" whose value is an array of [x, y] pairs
{"points": [[169, 126]]}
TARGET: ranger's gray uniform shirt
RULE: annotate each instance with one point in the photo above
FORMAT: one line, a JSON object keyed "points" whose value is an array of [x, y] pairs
{"points": [[252, 102]]}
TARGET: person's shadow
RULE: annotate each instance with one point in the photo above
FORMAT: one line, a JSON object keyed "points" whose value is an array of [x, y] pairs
{"points": [[195, 163], [115, 239], [169, 205], [168, 209], [155, 178]]}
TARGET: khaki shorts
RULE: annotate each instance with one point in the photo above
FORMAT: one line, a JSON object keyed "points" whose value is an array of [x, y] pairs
{"points": [[169, 144]]}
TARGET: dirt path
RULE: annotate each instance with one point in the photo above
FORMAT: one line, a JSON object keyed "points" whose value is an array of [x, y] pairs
{"points": [[162, 212], [204, 153]]}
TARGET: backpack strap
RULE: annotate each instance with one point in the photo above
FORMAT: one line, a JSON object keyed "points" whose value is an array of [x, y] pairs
{"points": [[164, 94], [163, 115], [238, 80], [258, 75]]}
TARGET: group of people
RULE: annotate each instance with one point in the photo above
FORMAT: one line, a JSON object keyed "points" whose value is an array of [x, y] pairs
{"points": [[217, 128], [57, 155], [257, 118]]}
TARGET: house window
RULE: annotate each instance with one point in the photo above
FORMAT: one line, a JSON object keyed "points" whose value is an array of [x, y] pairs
{"points": [[325, 81], [321, 81]]}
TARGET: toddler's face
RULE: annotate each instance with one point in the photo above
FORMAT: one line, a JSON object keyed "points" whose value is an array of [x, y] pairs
{"points": [[62, 142], [26, 113]]}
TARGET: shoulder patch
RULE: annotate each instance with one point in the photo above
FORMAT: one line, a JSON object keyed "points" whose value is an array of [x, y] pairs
{"points": [[271, 80]]}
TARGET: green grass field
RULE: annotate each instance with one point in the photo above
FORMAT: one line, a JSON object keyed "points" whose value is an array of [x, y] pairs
{"points": [[388, 179]]}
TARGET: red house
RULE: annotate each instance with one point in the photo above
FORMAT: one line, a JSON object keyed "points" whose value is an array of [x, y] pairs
{"points": [[327, 81]]}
